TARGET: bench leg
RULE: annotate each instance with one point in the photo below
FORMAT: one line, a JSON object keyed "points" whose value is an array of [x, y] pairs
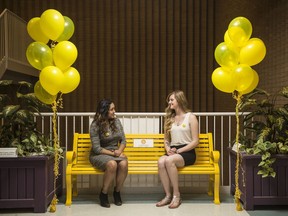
{"points": [[211, 185], [68, 190], [216, 189], [74, 183]]}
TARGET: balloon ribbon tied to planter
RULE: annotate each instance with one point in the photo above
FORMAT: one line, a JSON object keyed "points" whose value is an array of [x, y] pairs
{"points": [[57, 157], [237, 194], [235, 75], [53, 55]]}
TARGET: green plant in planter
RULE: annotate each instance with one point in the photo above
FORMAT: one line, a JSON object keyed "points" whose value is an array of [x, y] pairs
{"points": [[266, 126], [18, 108]]}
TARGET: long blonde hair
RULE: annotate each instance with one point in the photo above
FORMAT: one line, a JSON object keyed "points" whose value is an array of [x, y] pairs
{"points": [[170, 113]]}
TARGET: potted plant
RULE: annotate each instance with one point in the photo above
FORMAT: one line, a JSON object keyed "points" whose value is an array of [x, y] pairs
{"points": [[26, 180], [264, 149]]}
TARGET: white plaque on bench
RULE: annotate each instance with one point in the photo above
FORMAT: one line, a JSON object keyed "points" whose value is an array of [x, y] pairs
{"points": [[143, 143], [8, 152]]}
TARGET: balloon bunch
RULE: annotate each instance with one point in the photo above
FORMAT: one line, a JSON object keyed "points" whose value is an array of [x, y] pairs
{"points": [[53, 55], [236, 55]]}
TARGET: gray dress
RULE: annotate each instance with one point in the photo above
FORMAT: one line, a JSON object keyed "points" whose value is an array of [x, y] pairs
{"points": [[108, 141]]}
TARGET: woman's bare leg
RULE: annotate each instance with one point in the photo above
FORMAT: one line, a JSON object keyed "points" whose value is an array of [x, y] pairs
{"points": [[164, 175], [171, 164]]}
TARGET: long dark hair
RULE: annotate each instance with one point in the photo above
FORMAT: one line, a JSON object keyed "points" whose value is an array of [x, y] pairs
{"points": [[101, 116]]}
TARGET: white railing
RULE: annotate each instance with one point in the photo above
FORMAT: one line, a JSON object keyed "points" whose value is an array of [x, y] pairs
{"points": [[221, 124], [143, 123]]}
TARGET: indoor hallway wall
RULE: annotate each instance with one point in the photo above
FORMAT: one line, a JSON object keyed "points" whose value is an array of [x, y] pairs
{"points": [[136, 51]]}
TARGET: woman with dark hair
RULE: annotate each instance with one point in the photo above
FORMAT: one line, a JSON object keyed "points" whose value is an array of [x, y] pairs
{"points": [[181, 137], [108, 142]]}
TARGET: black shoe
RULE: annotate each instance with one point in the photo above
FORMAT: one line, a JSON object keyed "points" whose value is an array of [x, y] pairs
{"points": [[117, 198], [104, 200]]}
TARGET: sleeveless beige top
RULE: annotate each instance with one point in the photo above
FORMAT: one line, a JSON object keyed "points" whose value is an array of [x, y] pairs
{"points": [[181, 134]]}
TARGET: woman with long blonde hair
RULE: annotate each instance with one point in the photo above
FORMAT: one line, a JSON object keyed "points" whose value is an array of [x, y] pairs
{"points": [[181, 137]]}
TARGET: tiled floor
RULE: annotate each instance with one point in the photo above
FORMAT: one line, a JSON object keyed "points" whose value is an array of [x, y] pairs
{"points": [[144, 205], [269, 211]]}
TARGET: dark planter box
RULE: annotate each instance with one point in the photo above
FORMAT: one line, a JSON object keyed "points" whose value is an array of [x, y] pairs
{"points": [[28, 182], [258, 191]]}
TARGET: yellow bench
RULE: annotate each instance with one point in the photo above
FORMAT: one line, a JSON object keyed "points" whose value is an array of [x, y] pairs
{"points": [[142, 160]]}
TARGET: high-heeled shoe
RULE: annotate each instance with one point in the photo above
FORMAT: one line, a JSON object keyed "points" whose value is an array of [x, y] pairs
{"points": [[104, 202], [175, 203], [165, 201], [117, 198]]}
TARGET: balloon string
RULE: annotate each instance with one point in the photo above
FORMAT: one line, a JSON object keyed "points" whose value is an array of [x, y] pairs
{"points": [[55, 104], [237, 96]]}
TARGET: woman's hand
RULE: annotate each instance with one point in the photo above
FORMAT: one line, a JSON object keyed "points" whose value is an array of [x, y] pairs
{"points": [[117, 153], [172, 151], [123, 155]]}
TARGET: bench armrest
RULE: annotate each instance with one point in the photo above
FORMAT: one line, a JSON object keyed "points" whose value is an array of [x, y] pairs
{"points": [[70, 156], [215, 156]]}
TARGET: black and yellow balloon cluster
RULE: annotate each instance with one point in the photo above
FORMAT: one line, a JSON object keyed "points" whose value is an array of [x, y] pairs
{"points": [[53, 55], [235, 56]]}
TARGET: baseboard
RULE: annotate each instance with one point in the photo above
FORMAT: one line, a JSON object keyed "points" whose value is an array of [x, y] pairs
{"points": [[156, 190]]}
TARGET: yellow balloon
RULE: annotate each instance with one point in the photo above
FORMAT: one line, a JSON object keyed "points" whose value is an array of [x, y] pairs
{"points": [[243, 76], [230, 43], [71, 80], [227, 39], [253, 52], [51, 79], [39, 55], [35, 32], [68, 30], [226, 56], [222, 79], [253, 84], [43, 95], [52, 23], [64, 54], [240, 30]]}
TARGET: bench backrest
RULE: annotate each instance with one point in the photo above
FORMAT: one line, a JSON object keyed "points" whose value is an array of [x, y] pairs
{"points": [[82, 147]]}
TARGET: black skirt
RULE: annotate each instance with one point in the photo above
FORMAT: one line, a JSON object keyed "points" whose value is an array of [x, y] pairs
{"points": [[188, 156]]}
